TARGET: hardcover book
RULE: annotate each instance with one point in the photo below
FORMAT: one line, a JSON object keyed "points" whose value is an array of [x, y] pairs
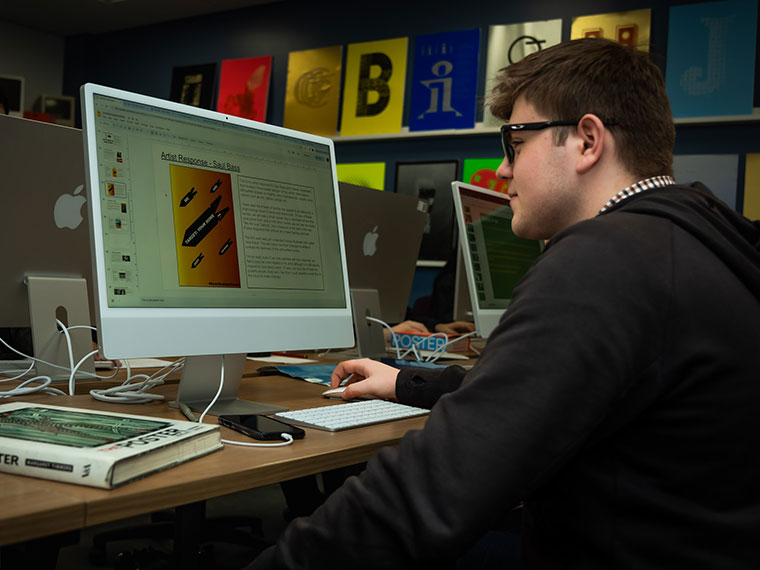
{"points": [[99, 449]]}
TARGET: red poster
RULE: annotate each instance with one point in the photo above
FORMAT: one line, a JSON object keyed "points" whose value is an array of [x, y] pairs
{"points": [[244, 87]]}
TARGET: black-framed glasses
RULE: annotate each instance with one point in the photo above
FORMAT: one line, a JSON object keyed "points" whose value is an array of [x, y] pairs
{"points": [[507, 130]]}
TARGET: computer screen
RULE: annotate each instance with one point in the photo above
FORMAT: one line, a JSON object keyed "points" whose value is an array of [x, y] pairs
{"points": [[494, 258], [211, 234]]}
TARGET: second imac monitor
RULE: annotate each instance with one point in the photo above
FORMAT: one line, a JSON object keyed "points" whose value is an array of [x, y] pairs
{"points": [[211, 234], [494, 258]]}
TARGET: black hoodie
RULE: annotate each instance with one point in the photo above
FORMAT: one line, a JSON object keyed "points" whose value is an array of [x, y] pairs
{"points": [[619, 398]]}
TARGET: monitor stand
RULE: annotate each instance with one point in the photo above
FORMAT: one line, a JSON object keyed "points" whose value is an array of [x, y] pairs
{"points": [[200, 383], [65, 299], [370, 341]]}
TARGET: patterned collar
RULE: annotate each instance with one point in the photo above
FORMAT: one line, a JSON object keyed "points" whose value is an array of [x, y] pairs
{"points": [[636, 187]]}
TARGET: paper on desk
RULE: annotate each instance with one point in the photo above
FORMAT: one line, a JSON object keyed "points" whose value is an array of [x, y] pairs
{"points": [[314, 373], [279, 359]]}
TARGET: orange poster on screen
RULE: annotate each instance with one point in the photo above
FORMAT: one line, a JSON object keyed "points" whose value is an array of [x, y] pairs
{"points": [[244, 87], [204, 227]]}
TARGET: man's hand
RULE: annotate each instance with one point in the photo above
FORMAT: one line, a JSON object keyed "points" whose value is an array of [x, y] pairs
{"points": [[365, 378], [407, 327]]}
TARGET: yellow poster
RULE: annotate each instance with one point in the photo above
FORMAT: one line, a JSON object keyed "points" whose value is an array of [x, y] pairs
{"points": [[627, 28], [204, 227], [373, 93], [368, 174], [313, 90], [752, 187]]}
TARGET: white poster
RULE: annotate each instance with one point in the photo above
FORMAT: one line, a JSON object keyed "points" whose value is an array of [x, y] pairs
{"points": [[509, 44]]}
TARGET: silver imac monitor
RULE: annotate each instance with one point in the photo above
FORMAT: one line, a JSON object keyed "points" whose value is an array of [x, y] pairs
{"points": [[212, 236], [383, 233], [46, 264], [462, 303], [494, 258]]}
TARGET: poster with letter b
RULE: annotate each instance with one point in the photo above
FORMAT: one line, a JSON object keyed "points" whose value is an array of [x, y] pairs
{"points": [[373, 96]]}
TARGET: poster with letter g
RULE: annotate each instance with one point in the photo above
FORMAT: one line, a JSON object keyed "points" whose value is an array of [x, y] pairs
{"points": [[373, 93]]}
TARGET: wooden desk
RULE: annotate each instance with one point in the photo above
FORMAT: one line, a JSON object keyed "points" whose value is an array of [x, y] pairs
{"points": [[37, 507]]}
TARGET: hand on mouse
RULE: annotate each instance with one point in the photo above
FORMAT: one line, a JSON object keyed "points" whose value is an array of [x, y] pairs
{"points": [[365, 377]]}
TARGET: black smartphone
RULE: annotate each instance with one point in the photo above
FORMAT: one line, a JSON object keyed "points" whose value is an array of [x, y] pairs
{"points": [[260, 427]]}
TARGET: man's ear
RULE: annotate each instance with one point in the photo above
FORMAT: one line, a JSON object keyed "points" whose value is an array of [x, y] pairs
{"points": [[592, 135]]}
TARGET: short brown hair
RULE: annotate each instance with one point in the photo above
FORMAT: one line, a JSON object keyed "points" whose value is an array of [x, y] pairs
{"points": [[614, 82]]}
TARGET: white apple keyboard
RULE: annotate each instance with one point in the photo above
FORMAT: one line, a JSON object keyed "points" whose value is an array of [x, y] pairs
{"points": [[351, 415]]}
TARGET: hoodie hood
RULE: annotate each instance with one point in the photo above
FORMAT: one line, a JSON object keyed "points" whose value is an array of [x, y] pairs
{"points": [[733, 238]]}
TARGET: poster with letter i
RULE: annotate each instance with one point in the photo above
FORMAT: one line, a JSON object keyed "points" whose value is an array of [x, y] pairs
{"points": [[373, 92], [445, 81], [710, 70]]}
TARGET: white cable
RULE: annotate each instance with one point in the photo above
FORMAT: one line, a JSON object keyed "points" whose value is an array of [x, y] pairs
{"points": [[35, 359], [130, 392], [286, 436], [18, 376], [394, 340], [44, 387], [70, 351], [441, 349]]}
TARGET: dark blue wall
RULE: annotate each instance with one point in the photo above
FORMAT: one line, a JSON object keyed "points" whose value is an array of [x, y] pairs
{"points": [[142, 59]]}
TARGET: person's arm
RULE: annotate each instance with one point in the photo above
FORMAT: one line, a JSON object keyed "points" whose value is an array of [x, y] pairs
{"points": [[414, 387], [582, 326], [405, 327], [455, 327]]}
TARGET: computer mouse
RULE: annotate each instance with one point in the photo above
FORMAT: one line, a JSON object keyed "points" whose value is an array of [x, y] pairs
{"points": [[336, 394]]}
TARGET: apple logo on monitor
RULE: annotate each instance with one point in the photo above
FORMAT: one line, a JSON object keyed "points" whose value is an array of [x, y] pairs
{"points": [[68, 209], [369, 246]]}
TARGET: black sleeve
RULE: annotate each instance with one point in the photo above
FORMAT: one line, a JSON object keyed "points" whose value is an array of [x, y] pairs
{"points": [[422, 388], [581, 325]]}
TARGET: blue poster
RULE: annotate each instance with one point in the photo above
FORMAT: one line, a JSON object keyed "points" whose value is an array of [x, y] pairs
{"points": [[711, 58], [445, 81]]}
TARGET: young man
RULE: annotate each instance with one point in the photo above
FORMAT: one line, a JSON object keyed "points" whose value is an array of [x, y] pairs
{"points": [[618, 398]]}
